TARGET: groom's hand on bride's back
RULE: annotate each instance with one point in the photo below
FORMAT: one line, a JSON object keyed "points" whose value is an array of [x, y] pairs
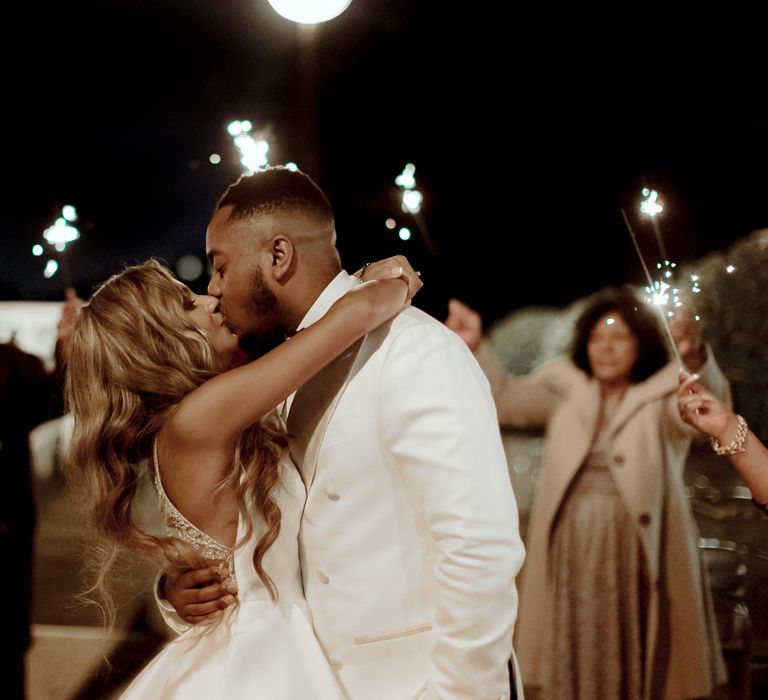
{"points": [[199, 594]]}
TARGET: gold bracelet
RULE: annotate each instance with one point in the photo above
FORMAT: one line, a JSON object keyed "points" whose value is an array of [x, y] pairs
{"points": [[737, 445]]}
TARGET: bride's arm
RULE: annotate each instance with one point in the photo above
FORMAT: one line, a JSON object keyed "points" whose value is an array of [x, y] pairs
{"points": [[196, 445], [219, 410]]}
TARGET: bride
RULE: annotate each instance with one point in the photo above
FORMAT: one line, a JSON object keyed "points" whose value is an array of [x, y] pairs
{"points": [[147, 388]]}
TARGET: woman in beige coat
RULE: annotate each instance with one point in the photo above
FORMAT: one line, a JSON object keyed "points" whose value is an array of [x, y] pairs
{"points": [[614, 599]]}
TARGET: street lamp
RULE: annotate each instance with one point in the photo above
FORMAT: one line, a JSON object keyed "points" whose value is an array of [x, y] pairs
{"points": [[309, 11], [308, 15]]}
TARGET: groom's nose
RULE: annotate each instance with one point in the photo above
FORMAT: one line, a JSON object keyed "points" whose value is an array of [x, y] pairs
{"points": [[213, 287]]}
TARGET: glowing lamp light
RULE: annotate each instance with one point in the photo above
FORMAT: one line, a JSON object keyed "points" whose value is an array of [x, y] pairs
{"points": [[37, 250], [69, 212], [405, 234], [730, 269], [292, 167], [214, 158], [309, 11], [390, 224]]}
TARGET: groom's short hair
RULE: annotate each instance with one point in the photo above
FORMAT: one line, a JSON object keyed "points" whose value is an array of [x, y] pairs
{"points": [[273, 190]]}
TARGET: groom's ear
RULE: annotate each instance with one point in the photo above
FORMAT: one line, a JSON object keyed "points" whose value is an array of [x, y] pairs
{"points": [[282, 252]]}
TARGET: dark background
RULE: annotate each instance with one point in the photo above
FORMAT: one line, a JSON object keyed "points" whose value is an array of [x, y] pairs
{"points": [[529, 128]]}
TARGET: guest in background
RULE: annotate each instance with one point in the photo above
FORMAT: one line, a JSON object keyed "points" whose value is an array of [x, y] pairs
{"points": [[614, 599], [29, 395]]}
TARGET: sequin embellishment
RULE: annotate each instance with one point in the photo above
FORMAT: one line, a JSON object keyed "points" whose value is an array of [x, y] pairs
{"points": [[179, 526]]}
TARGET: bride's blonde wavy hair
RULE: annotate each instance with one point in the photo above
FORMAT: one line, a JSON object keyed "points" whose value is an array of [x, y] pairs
{"points": [[133, 356]]}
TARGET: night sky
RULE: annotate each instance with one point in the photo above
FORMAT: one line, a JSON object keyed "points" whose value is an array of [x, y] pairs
{"points": [[528, 134]]}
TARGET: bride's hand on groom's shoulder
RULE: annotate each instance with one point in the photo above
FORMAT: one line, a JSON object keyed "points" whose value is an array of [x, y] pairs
{"points": [[199, 594], [392, 268]]}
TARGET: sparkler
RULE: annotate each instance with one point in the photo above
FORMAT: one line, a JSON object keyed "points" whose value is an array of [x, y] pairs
{"points": [[411, 204], [652, 207], [253, 147], [59, 235], [657, 289]]}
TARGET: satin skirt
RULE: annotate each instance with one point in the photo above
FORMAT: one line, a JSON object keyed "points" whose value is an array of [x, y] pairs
{"points": [[258, 650]]}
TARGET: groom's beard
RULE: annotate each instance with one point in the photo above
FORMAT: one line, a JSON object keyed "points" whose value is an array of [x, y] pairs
{"points": [[263, 308], [262, 303]]}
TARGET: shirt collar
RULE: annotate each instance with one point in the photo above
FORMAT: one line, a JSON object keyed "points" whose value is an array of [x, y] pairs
{"points": [[336, 289]]}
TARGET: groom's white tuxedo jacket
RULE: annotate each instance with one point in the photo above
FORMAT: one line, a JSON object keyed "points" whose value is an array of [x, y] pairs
{"points": [[409, 541]]}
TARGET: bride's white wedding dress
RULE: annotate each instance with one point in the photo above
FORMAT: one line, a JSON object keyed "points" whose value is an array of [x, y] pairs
{"points": [[260, 649]]}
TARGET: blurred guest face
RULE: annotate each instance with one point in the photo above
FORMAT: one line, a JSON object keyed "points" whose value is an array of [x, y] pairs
{"points": [[203, 312], [612, 349], [685, 330]]}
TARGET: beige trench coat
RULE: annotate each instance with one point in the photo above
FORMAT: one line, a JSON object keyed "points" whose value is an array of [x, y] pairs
{"points": [[649, 447]]}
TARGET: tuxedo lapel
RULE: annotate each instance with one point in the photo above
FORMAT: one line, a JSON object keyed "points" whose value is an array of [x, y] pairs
{"points": [[313, 407]]}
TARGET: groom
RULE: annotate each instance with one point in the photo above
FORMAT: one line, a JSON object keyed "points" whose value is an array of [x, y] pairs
{"points": [[409, 542]]}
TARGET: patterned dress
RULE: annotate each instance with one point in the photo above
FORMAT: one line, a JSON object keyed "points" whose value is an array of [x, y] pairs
{"points": [[598, 601]]}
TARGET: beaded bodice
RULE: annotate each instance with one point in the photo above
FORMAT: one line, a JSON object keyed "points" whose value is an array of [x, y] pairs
{"points": [[180, 527]]}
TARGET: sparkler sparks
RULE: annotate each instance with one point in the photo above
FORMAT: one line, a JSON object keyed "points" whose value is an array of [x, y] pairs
{"points": [[655, 288], [253, 147], [58, 236], [651, 206], [410, 203]]}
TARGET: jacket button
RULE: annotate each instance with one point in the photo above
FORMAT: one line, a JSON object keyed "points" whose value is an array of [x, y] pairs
{"points": [[331, 493], [618, 460], [335, 664], [322, 577], [645, 519]]}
